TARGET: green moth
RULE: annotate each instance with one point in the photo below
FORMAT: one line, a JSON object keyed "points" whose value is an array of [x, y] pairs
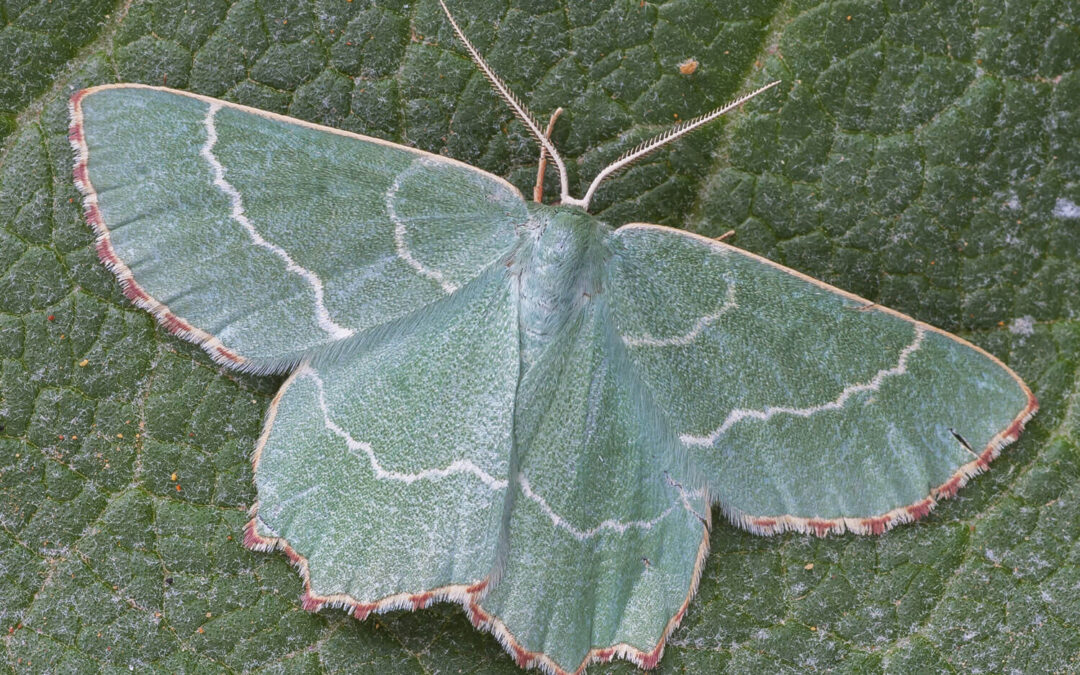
{"points": [[510, 405]]}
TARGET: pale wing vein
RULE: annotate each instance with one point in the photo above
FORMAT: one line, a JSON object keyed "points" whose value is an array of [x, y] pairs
{"points": [[402, 246], [464, 466], [322, 314], [738, 415], [611, 525], [455, 467], [647, 340]]}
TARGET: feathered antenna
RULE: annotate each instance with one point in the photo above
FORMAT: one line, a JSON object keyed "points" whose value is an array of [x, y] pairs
{"points": [[547, 148], [657, 142], [517, 106]]}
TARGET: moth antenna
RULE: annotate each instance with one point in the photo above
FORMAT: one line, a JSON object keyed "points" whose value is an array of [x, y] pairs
{"points": [[515, 105], [538, 189], [656, 142]]}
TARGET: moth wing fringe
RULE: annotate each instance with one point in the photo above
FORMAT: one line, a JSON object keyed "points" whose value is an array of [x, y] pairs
{"points": [[468, 597], [772, 525]]}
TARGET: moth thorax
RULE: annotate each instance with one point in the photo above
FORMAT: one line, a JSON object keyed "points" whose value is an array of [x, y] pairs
{"points": [[559, 270]]}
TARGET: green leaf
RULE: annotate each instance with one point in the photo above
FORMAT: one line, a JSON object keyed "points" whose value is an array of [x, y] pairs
{"points": [[924, 155]]}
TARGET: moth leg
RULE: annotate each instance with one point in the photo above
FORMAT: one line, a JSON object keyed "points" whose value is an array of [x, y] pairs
{"points": [[538, 189]]}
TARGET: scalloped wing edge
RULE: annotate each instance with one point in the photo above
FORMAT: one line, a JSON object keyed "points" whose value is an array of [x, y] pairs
{"points": [[770, 525], [103, 244], [131, 289], [468, 596], [879, 524]]}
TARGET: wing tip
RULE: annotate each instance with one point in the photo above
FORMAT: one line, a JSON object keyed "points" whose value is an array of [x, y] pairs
{"points": [[108, 257], [875, 525]]}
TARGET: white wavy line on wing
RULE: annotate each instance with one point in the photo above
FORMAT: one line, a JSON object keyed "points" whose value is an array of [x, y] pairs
{"points": [[455, 467], [399, 237], [582, 535], [278, 507], [738, 415], [465, 466], [322, 315], [647, 340]]}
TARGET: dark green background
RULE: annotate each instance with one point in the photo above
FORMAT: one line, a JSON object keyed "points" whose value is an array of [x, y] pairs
{"points": [[923, 154]]}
